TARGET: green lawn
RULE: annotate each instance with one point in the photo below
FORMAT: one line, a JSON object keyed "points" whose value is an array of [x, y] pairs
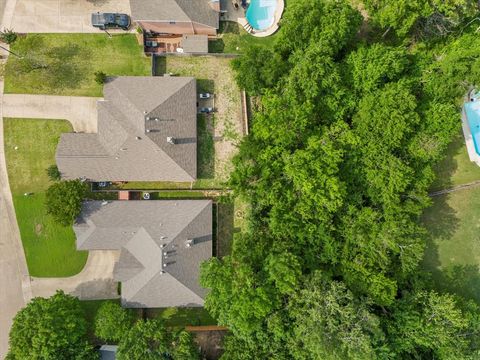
{"points": [[456, 168], [453, 243], [180, 317], [49, 247], [64, 64], [233, 39]]}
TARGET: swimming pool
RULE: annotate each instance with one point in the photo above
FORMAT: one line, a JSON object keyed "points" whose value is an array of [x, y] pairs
{"points": [[261, 13], [472, 110]]}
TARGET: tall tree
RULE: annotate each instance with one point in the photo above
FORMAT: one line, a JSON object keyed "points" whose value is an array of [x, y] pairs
{"points": [[53, 328]]}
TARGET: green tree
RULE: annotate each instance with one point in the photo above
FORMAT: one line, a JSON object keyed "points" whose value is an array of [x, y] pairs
{"points": [[100, 77], [8, 36], [53, 173], [64, 200], [329, 322], [147, 339], [429, 325], [53, 328], [185, 347], [112, 322]]}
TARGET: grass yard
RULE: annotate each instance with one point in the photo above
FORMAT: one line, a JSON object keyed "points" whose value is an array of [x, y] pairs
{"points": [[456, 168], [453, 244], [49, 247], [221, 132], [180, 317], [232, 39], [64, 64]]}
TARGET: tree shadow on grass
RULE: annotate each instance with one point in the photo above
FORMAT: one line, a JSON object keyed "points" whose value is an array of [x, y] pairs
{"points": [[446, 168], [225, 228], [463, 280], [206, 148]]}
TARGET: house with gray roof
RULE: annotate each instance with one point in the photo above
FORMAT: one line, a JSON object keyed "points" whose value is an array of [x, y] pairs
{"points": [[177, 16], [161, 244], [147, 131]]}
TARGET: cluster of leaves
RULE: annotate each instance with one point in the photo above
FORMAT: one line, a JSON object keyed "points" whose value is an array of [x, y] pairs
{"points": [[143, 339], [56, 328], [337, 167], [53, 328], [53, 173], [64, 200], [8, 36]]}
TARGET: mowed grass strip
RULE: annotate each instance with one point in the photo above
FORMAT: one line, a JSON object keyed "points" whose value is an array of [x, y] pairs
{"points": [[30, 149], [65, 64], [453, 243]]}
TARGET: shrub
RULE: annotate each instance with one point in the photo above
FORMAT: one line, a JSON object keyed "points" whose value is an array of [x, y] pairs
{"points": [[8, 36], [112, 322], [53, 173], [64, 200], [100, 77]]}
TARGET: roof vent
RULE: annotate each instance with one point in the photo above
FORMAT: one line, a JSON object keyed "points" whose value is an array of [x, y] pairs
{"points": [[145, 112], [163, 237], [123, 149], [171, 140], [163, 245], [148, 130], [189, 243], [147, 118], [138, 138], [164, 264]]}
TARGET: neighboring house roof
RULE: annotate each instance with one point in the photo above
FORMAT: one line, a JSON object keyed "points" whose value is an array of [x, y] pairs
{"points": [[194, 44], [135, 120], [108, 352], [199, 11], [162, 244]]}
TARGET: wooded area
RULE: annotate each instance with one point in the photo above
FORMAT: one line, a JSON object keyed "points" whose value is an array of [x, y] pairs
{"points": [[337, 168]]}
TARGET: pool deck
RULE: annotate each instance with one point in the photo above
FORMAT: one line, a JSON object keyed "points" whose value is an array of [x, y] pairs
{"points": [[238, 15], [472, 154]]}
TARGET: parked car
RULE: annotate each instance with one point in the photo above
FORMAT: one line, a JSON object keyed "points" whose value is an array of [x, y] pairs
{"points": [[206, 110], [104, 21], [205, 95]]}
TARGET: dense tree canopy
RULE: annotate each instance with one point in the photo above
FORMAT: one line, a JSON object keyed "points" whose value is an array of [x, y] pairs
{"points": [[337, 169], [112, 322], [53, 328]]}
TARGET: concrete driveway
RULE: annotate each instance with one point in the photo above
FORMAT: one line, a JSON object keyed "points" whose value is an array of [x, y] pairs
{"points": [[62, 16], [80, 111], [95, 281]]}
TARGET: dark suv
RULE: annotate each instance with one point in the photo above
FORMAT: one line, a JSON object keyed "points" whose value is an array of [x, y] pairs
{"points": [[110, 20]]}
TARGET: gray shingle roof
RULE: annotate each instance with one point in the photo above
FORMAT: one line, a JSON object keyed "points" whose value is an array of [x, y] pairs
{"points": [[198, 11], [134, 122], [156, 266]]}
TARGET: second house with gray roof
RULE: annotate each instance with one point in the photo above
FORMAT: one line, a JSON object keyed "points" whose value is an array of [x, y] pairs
{"points": [[147, 131], [161, 245]]}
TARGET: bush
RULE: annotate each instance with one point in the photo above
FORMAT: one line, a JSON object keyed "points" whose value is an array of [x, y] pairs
{"points": [[100, 77], [53, 173], [112, 322], [8, 36], [64, 200]]}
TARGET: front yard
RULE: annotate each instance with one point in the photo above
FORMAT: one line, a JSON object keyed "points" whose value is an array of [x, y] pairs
{"points": [[65, 64], [30, 149]]}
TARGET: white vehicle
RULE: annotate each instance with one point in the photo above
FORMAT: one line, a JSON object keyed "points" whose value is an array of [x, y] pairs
{"points": [[205, 96]]}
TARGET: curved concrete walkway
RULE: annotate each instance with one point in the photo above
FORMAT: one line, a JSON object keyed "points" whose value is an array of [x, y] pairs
{"points": [[80, 111], [95, 281]]}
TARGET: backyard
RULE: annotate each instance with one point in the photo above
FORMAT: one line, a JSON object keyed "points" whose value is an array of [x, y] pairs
{"points": [[30, 149], [65, 64], [453, 241]]}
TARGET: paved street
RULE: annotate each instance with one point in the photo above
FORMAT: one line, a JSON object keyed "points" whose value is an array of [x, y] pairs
{"points": [[14, 280], [62, 16], [80, 111]]}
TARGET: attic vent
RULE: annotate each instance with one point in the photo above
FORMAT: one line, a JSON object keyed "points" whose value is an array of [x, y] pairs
{"points": [[163, 245], [171, 140], [138, 138], [123, 149], [145, 112], [189, 243], [164, 264], [148, 130], [147, 118]]}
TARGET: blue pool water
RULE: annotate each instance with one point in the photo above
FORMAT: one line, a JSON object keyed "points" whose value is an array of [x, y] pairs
{"points": [[261, 13], [472, 110]]}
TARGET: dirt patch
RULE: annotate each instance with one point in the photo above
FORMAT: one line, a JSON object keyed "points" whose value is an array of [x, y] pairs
{"points": [[215, 75], [38, 229], [211, 343]]}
